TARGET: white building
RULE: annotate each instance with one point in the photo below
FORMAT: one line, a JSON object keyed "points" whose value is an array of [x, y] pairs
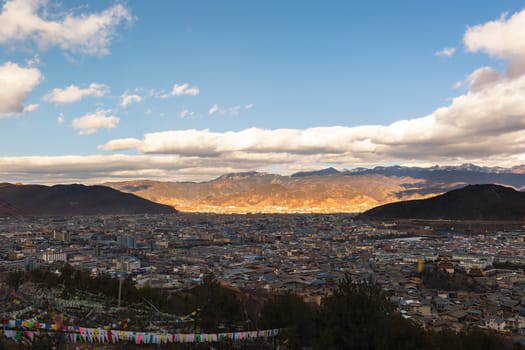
{"points": [[51, 256], [497, 324], [127, 264]]}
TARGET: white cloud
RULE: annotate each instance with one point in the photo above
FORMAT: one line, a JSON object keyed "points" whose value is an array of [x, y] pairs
{"points": [[30, 108], [213, 109], [502, 38], [446, 52], [60, 119], [15, 84], [100, 168], [233, 110], [127, 99], [186, 113], [35, 61], [458, 84], [481, 77], [73, 93], [254, 140], [121, 144], [34, 20], [177, 90], [90, 123], [184, 89]]}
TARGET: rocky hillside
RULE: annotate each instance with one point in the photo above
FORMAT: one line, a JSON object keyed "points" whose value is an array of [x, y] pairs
{"points": [[323, 191]]}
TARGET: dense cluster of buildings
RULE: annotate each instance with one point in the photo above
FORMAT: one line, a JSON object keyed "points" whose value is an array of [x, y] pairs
{"points": [[438, 278]]}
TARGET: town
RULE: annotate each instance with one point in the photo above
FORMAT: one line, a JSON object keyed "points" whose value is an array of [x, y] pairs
{"points": [[440, 275]]}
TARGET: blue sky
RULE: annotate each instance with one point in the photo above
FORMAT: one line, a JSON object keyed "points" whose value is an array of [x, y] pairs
{"points": [[220, 86]]}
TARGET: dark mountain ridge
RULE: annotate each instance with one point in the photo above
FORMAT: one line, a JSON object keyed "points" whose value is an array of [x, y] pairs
{"points": [[473, 202], [322, 172], [38, 200]]}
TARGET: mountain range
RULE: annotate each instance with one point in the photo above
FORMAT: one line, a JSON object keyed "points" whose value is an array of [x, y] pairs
{"points": [[323, 191], [66, 200]]}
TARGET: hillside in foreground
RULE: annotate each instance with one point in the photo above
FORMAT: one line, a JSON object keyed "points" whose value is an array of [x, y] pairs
{"points": [[66, 200], [473, 202]]}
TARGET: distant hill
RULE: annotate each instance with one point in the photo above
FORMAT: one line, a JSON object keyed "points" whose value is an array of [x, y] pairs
{"points": [[323, 191], [473, 202], [322, 172], [37, 200], [444, 178]]}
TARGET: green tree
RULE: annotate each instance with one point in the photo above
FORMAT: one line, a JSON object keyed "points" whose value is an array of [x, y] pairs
{"points": [[15, 279], [219, 307], [359, 316], [294, 316]]}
